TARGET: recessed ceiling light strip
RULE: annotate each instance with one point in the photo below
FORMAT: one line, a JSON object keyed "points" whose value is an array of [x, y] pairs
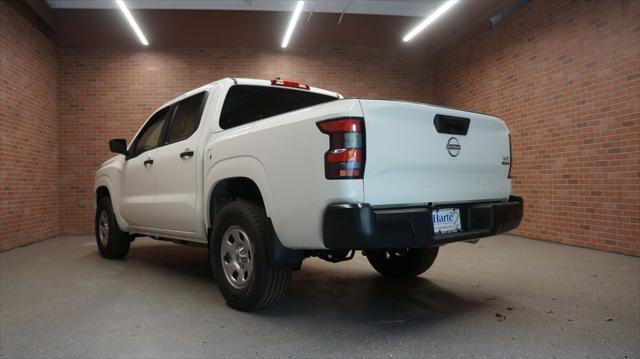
{"points": [[292, 23], [431, 18], [132, 22]]}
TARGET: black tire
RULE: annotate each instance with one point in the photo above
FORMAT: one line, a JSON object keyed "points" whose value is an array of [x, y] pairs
{"points": [[115, 244], [402, 263], [265, 284]]}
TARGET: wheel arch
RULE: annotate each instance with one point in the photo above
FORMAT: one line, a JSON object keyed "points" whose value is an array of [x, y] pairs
{"points": [[243, 177], [231, 189], [101, 192], [104, 188]]}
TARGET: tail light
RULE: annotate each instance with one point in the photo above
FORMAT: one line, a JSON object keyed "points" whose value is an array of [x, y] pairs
{"points": [[510, 157], [346, 156]]}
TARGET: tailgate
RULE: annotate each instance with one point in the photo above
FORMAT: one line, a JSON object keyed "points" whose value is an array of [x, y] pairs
{"points": [[410, 161]]}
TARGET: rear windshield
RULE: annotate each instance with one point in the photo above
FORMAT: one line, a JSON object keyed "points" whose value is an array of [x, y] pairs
{"points": [[247, 103]]}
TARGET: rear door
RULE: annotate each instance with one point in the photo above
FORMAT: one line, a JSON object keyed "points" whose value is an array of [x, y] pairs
{"points": [[418, 154], [175, 169]]}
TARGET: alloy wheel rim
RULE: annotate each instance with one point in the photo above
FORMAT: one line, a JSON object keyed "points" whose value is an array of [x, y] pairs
{"points": [[236, 254], [103, 228]]}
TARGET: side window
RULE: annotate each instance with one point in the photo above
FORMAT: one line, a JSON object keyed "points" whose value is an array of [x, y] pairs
{"points": [[150, 137], [186, 118]]}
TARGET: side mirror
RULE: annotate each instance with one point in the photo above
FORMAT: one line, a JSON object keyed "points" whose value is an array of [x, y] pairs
{"points": [[118, 145]]}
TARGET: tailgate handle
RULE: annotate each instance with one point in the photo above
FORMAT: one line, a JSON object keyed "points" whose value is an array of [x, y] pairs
{"points": [[451, 125]]}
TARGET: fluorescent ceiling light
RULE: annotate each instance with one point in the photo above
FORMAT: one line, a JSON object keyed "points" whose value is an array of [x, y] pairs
{"points": [[132, 22], [292, 23], [431, 18]]}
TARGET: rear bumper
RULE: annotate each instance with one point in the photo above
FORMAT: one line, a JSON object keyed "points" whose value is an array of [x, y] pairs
{"points": [[360, 226]]}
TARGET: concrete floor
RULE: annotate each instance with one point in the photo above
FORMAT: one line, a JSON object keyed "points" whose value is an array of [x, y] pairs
{"points": [[59, 298]]}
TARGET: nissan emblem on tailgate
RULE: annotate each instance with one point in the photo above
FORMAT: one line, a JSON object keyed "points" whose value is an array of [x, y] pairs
{"points": [[453, 147]]}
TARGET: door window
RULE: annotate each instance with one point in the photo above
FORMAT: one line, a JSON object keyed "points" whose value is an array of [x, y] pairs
{"points": [[151, 136], [186, 118]]}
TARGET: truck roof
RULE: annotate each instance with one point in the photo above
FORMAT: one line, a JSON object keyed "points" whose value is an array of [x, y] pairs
{"points": [[231, 81]]}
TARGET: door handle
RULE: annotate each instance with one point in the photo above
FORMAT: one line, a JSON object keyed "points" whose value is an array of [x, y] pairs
{"points": [[186, 154], [148, 162]]}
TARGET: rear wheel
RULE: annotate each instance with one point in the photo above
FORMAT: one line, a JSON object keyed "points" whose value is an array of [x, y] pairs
{"points": [[112, 241], [402, 263], [239, 252]]}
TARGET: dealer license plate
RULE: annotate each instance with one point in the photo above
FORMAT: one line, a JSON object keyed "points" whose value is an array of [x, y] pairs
{"points": [[446, 220]]}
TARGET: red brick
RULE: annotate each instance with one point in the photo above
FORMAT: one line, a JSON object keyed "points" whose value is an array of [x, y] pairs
{"points": [[564, 77], [28, 133]]}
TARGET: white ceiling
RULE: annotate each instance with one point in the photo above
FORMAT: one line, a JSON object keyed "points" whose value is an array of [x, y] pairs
{"points": [[369, 7]]}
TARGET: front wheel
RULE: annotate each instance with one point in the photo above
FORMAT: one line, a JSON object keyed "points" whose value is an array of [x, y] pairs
{"points": [[239, 251], [113, 243], [402, 263]]}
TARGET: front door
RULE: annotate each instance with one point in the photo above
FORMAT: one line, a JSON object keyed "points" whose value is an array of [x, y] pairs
{"points": [[139, 175]]}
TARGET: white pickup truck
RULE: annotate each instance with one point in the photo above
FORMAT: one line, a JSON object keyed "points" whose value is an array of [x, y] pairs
{"points": [[267, 173]]}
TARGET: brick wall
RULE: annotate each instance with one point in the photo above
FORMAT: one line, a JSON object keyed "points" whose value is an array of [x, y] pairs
{"points": [[106, 93], [28, 132], [565, 76]]}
